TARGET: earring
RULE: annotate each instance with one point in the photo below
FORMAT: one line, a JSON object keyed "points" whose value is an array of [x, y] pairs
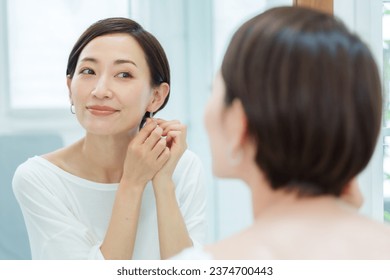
{"points": [[234, 158], [72, 109], [150, 114]]}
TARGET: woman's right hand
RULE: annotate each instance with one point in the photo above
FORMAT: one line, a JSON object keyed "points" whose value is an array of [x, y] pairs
{"points": [[146, 154]]}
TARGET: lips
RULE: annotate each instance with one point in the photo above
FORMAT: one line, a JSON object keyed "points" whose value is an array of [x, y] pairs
{"points": [[101, 110]]}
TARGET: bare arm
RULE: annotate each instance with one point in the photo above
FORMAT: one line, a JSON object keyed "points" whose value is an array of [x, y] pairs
{"points": [[120, 237], [173, 234], [147, 153], [172, 231]]}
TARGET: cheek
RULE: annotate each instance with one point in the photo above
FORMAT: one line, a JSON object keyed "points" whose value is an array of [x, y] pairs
{"points": [[213, 124], [138, 98], [212, 119], [207, 116], [136, 101], [76, 98], [79, 91]]}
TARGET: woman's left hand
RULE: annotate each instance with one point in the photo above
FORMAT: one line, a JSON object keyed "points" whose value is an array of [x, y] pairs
{"points": [[175, 133], [172, 230]]}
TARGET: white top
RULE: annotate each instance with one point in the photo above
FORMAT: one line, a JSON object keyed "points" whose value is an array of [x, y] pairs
{"points": [[67, 217], [194, 253]]}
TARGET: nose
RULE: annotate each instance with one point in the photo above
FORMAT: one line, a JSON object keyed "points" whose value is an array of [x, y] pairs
{"points": [[102, 89]]}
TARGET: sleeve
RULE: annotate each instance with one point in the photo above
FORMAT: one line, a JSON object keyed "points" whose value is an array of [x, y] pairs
{"points": [[54, 231], [191, 194]]}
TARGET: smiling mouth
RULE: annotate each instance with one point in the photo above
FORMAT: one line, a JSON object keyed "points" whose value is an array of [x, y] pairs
{"points": [[101, 110]]}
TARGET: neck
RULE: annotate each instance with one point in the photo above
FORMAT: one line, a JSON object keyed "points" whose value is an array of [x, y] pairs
{"points": [[267, 201], [262, 194], [104, 156]]}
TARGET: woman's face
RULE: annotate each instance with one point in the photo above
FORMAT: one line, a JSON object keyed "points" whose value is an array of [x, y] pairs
{"points": [[111, 87], [215, 126]]}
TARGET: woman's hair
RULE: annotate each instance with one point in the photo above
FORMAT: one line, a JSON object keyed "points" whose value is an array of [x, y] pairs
{"points": [[154, 53], [312, 96]]}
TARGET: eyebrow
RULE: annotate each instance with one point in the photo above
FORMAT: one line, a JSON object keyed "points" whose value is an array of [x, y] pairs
{"points": [[123, 61], [116, 62]]}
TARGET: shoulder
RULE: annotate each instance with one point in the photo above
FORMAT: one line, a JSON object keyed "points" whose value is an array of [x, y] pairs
{"points": [[35, 173], [377, 232], [61, 156], [28, 169], [25, 177], [246, 244]]}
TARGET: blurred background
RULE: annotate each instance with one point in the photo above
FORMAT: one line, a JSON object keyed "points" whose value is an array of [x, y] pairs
{"points": [[37, 36]]}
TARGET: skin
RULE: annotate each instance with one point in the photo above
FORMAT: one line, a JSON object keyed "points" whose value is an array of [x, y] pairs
{"points": [[111, 91], [285, 226]]}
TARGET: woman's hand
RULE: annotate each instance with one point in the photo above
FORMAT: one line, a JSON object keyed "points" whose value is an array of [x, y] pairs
{"points": [[172, 231], [175, 134], [146, 154]]}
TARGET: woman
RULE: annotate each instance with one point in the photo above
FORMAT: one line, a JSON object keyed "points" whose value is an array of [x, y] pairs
{"points": [[297, 103], [121, 192]]}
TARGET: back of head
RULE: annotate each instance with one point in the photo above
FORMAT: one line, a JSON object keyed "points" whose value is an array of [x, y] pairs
{"points": [[312, 95]]}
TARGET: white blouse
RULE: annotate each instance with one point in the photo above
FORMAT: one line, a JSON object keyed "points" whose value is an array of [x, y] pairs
{"points": [[194, 253], [67, 217]]}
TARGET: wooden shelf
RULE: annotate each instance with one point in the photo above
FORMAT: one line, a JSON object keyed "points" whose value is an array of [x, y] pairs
{"points": [[322, 5]]}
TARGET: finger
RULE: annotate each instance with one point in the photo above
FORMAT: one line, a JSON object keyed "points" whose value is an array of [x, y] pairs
{"points": [[180, 128], [173, 127], [159, 148], [164, 156], [173, 134], [164, 123], [169, 140], [176, 138], [144, 133], [159, 121], [153, 138]]}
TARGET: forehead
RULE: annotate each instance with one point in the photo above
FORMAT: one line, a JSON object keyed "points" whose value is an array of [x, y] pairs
{"points": [[112, 47]]}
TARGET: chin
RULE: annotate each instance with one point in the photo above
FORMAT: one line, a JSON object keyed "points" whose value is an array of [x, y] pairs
{"points": [[103, 130]]}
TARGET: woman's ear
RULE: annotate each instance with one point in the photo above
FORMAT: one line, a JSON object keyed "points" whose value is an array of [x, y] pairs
{"points": [[236, 125], [158, 97], [351, 194]]}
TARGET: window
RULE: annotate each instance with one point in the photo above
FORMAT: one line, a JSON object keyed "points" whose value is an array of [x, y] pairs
{"points": [[39, 41], [386, 117]]}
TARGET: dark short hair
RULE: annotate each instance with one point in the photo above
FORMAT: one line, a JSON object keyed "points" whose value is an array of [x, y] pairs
{"points": [[154, 53], [311, 92]]}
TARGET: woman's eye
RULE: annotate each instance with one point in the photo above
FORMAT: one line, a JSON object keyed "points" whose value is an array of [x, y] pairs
{"points": [[87, 71], [124, 75]]}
